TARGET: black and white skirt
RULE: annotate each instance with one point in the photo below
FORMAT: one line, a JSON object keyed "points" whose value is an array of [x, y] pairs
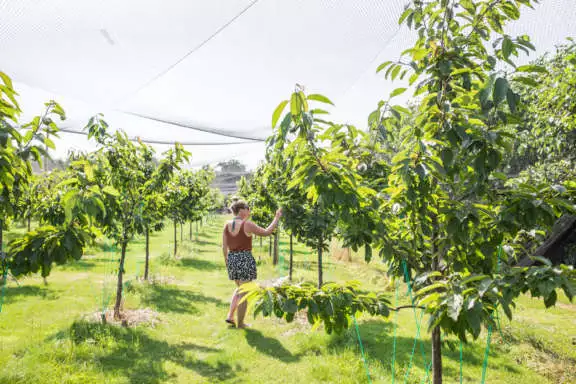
{"points": [[241, 266]]}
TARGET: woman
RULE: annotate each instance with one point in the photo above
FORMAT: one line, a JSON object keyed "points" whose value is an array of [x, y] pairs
{"points": [[237, 249]]}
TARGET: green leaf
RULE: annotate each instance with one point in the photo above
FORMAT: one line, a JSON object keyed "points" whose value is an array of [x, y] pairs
{"points": [[453, 226], [511, 99], [111, 191], [383, 66], [447, 157], [431, 287], [367, 253], [473, 319], [551, 299], [493, 158], [397, 91], [395, 72], [543, 260], [526, 81], [507, 47], [532, 69], [455, 306], [320, 98], [295, 104], [290, 306], [278, 112], [407, 12], [484, 285], [500, 89]]}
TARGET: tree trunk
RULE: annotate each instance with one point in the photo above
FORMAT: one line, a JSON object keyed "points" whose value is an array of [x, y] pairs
{"points": [[436, 356], [2, 255], [436, 335], [29, 223], [175, 239], [291, 258], [120, 282], [2, 240], [275, 259], [196, 230], [147, 264], [191, 234], [320, 281], [270, 247], [181, 232]]}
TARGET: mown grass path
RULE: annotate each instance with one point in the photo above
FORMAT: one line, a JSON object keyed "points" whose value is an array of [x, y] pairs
{"points": [[45, 338]]}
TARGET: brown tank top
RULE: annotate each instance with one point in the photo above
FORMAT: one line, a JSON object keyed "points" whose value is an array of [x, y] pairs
{"points": [[239, 241]]}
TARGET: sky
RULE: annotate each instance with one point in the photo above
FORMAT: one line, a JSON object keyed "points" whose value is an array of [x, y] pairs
{"points": [[223, 65]]}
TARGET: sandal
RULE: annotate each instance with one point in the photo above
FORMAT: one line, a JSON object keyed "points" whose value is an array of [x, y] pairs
{"points": [[231, 322]]}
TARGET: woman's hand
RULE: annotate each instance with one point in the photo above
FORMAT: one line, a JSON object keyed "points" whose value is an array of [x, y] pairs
{"points": [[279, 213]]}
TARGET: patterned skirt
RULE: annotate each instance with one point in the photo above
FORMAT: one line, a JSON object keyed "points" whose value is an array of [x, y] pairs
{"points": [[241, 266]]}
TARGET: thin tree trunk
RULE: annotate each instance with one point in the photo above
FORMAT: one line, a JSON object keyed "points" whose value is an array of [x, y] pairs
{"points": [[175, 239], [320, 280], [29, 223], [2, 240], [2, 255], [436, 356], [436, 335], [291, 258], [196, 230], [191, 234], [147, 264], [120, 282], [275, 259], [181, 232], [270, 247]]}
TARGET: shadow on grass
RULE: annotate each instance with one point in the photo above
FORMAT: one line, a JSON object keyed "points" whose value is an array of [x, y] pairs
{"points": [[202, 265], [378, 342], [13, 294], [205, 242], [140, 358], [269, 346], [79, 265], [169, 299], [326, 265]]}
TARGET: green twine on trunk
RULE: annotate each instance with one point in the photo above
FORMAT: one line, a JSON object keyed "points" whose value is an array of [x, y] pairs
{"points": [[395, 330], [418, 328], [486, 355], [362, 349]]}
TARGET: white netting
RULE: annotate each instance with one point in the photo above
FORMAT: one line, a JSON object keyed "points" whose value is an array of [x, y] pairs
{"points": [[221, 65]]}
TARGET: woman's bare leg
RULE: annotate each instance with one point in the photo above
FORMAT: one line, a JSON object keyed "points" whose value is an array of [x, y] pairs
{"points": [[234, 302], [242, 308]]}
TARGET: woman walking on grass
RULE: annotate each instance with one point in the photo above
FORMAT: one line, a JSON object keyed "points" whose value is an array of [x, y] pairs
{"points": [[237, 249]]}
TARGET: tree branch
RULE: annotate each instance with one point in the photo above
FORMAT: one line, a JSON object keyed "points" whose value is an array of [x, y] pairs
{"points": [[396, 309]]}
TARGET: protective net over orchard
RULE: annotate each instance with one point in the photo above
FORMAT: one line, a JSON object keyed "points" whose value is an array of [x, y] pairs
{"points": [[209, 74]]}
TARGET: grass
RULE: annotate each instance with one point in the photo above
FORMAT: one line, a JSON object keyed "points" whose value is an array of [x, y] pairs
{"points": [[45, 338]]}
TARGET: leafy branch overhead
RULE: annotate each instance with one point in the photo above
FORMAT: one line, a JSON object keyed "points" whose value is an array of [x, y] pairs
{"points": [[427, 185]]}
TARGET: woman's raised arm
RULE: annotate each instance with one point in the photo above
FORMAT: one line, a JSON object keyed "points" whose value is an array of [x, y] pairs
{"points": [[251, 228]]}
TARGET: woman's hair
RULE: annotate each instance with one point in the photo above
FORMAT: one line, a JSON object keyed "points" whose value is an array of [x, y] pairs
{"points": [[238, 205]]}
